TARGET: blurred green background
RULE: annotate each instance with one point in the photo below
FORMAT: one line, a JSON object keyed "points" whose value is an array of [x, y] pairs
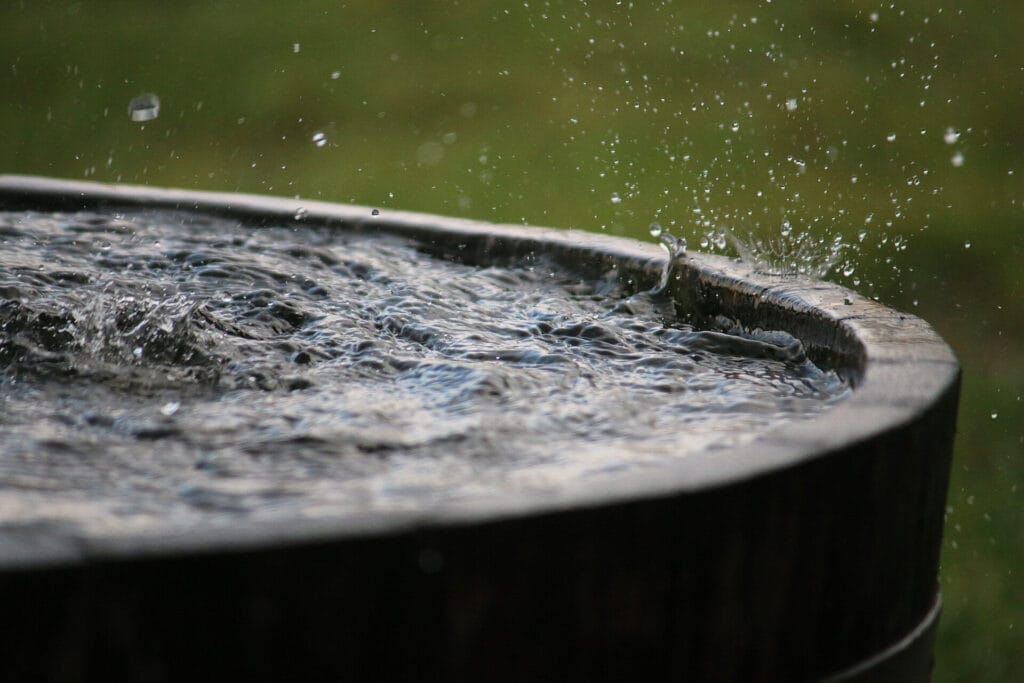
{"points": [[897, 128]]}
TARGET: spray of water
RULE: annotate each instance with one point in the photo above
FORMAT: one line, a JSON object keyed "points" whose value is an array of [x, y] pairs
{"points": [[789, 254]]}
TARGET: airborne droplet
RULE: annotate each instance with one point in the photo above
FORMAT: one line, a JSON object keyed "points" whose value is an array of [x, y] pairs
{"points": [[144, 107]]}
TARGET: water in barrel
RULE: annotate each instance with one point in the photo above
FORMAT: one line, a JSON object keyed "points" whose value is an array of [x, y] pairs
{"points": [[162, 370]]}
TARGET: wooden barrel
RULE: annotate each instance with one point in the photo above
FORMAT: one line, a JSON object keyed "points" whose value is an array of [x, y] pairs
{"points": [[810, 553]]}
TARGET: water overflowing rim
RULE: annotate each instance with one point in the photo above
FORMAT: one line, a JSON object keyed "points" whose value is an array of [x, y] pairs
{"points": [[898, 365]]}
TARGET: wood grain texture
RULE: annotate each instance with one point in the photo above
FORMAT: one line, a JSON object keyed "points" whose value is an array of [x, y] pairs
{"points": [[794, 558]]}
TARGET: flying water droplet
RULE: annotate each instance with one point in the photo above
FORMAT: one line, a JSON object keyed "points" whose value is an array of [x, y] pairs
{"points": [[951, 136], [300, 213], [616, 199], [957, 159], [967, 245], [144, 107], [170, 408], [791, 104], [319, 139], [375, 212], [655, 229], [891, 137]]}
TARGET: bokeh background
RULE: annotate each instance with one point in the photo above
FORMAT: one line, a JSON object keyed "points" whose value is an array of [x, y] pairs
{"points": [[891, 133]]}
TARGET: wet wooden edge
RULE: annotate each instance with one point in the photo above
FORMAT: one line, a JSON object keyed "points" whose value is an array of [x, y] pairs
{"points": [[898, 365]]}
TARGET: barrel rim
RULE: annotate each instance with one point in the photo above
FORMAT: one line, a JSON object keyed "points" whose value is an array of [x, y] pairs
{"points": [[900, 369]]}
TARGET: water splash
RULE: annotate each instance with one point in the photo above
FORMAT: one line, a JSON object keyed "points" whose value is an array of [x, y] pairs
{"points": [[676, 248], [119, 328], [792, 253]]}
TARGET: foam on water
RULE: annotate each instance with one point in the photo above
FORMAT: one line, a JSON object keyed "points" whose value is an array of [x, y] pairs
{"points": [[162, 370]]}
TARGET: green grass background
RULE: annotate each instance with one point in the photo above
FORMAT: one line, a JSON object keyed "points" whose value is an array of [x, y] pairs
{"points": [[539, 112]]}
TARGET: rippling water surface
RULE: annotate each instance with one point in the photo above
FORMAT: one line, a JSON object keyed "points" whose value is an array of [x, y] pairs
{"points": [[166, 370]]}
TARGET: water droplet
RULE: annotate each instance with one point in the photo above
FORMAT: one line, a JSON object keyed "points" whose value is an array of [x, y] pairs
{"points": [[786, 229], [791, 104], [375, 212], [995, 415], [951, 136], [735, 127], [449, 138], [170, 408], [848, 270], [957, 159], [891, 137], [335, 75], [873, 17], [300, 213], [137, 352], [848, 301], [616, 199], [655, 229], [144, 107], [319, 139], [296, 47], [967, 245]]}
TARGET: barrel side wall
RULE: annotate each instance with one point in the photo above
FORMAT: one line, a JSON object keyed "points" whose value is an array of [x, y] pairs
{"points": [[790, 576]]}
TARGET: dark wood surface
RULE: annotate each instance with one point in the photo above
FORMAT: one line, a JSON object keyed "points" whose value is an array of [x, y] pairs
{"points": [[795, 557]]}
